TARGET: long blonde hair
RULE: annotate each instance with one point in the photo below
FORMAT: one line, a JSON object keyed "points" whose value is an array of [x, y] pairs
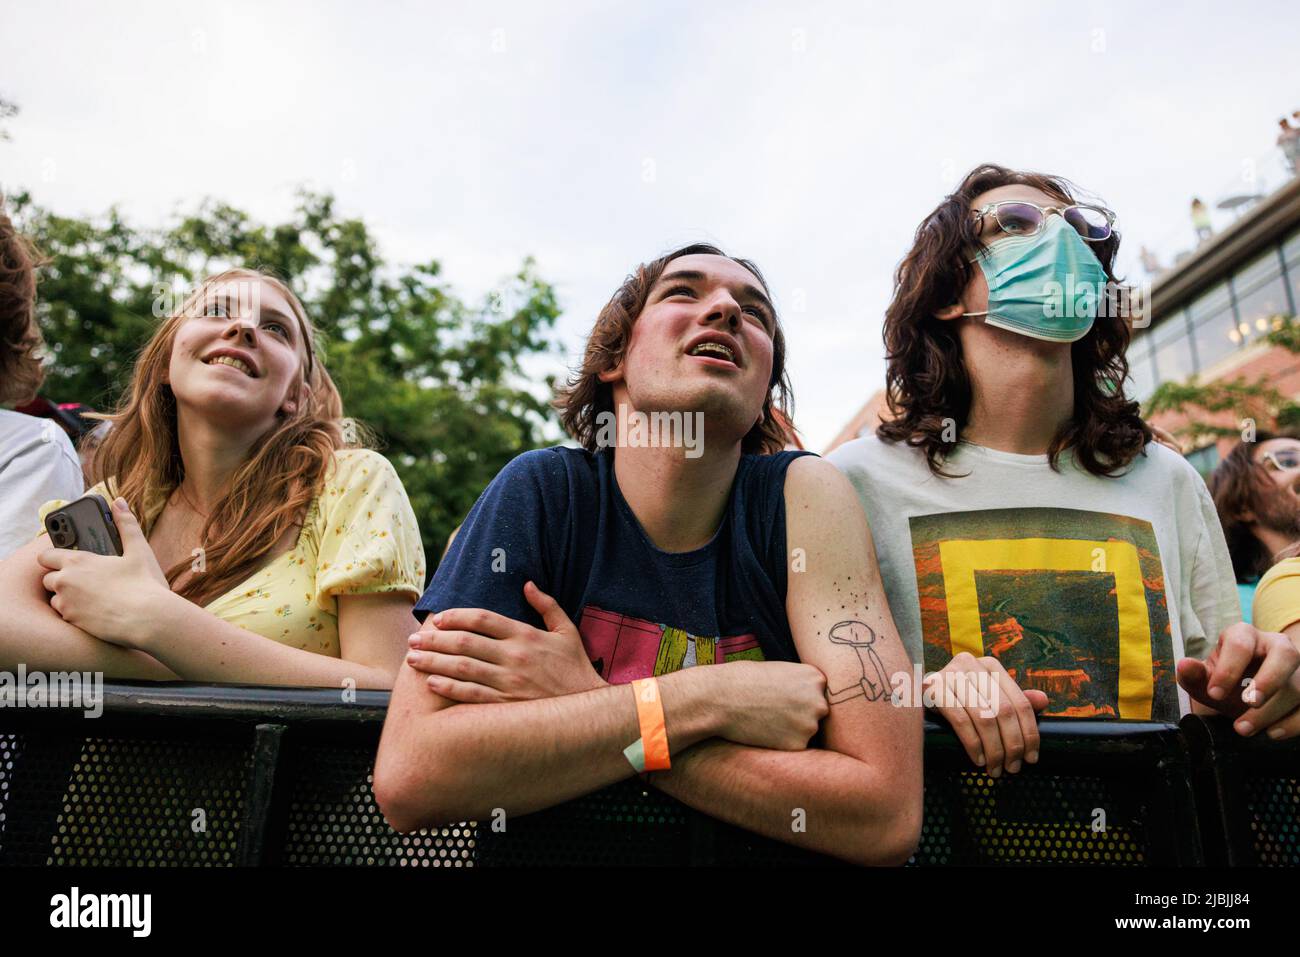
{"points": [[268, 494]]}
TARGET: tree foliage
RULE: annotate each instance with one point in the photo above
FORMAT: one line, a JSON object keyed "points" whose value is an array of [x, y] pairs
{"points": [[1226, 403], [8, 110], [441, 382]]}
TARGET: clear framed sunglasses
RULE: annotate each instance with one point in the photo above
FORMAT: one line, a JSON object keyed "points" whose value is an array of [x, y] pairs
{"points": [[1093, 223], [1282, 460]]}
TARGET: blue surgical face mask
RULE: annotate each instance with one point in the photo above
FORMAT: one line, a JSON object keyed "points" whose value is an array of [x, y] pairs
{"points": [[1046, 286]]}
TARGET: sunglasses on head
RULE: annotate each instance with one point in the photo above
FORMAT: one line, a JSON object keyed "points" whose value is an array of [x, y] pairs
{"points": [[1015, 218]]}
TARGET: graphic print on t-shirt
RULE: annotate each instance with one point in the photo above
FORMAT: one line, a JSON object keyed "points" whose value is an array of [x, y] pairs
{"points": [[1070, 602], [624, 649]]}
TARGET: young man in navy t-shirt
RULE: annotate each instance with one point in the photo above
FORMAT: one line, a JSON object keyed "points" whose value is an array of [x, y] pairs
{"points": [[669, 541]]}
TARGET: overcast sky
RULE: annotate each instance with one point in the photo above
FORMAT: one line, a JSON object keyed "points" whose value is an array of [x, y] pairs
{"points": [[811, 137]]}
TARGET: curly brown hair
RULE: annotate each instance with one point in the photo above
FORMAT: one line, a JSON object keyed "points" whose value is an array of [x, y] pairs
{"points": [[1237, 485], [21, 372], [927, 384], [581, 401]]}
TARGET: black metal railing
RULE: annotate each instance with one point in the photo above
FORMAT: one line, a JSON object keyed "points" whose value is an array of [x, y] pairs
{"points": [[176, 774]]}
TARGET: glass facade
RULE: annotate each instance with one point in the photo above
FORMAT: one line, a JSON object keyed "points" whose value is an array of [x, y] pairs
{"points": [[1261, 295], [1291, 255], [1214, 326], [1173, 348], [1142, 374], [1222, 320], [1204, 460]]}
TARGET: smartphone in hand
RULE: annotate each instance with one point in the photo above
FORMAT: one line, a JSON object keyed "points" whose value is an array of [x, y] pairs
{"points": [[85, 524]]}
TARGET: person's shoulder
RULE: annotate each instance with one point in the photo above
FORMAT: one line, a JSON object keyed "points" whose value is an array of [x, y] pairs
{"points": [[771, 466], [20, 425], [1162, 463], [352, 465], [815, 481], [861, 455], [550, 460], [546, 475], [776, 460], [556, 465], [33, 435], [864, 448], [1162, 456], [1286, 568], [353, 457]]}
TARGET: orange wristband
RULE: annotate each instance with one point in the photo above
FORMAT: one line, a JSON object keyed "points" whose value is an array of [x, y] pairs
{"points": [[650, 715]]}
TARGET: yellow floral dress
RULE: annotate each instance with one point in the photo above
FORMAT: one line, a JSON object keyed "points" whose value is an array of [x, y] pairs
{"points": [[360, 537]]}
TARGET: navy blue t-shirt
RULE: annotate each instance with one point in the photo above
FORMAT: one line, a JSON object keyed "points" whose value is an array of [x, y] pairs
{"points": [[556, 517]]}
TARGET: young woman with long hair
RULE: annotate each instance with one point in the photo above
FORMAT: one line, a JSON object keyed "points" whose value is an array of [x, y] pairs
{"points": [[258, 547]]}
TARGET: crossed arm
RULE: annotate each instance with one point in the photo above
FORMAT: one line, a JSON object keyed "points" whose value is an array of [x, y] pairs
{"points": [[862, 790], [117, 615], [737, 731]]}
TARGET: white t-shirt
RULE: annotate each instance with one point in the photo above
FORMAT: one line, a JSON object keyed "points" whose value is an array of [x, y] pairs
{"points": [[1085, 587], [37, 463]]}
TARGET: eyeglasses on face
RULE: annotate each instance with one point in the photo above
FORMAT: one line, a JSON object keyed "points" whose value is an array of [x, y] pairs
{"points": [[1282, 460], [1093, 223]]}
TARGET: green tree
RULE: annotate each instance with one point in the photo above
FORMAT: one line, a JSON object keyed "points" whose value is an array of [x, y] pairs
{"points": [[1217, 409], [8, 111], [441, 382]]}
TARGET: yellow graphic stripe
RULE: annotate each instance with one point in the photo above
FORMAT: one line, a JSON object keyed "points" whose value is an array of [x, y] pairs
{"points": [[705, 650], [962, 558], [672, 651]]}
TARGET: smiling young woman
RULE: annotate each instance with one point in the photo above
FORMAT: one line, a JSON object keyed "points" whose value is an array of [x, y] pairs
{"points": [[258, 548]]}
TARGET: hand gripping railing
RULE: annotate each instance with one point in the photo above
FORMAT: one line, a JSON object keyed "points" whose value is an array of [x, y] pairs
{"points": [[222, 775]]}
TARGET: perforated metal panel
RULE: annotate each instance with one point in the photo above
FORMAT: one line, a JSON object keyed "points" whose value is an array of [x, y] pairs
{"points": [[122, 801], [205, 776], [1247, 794], [1030, 819], [332, 818], [152, 802], [8, 754], [1274, 805]]}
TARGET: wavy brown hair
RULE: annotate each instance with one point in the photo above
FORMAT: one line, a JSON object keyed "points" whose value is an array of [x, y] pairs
{"points": [[926, 378], [1237, 485], [21, 372], [268, 494], [582, 400]]}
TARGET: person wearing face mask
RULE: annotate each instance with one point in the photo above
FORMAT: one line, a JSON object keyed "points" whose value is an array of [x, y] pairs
{"points": [[257, 547], [1041, 553], [645, 604]]}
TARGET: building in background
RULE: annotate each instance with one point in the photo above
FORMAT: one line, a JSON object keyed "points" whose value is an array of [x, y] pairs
{"points": [[863, 423], [1210, 312]]}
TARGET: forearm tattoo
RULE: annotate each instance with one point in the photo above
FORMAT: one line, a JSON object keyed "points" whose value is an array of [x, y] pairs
{"points": [[874, 684]]}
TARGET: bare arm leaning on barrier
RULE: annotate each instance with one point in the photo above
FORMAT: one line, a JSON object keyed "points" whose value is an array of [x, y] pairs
{"points": [[859, 797], [118, 615]]}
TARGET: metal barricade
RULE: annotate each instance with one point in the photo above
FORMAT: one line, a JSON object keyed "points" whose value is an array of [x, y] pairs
{"points": [[178, 774]]}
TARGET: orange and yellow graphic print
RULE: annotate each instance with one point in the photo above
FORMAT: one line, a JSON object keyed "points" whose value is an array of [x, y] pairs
{"points": [[1071, 602]]}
